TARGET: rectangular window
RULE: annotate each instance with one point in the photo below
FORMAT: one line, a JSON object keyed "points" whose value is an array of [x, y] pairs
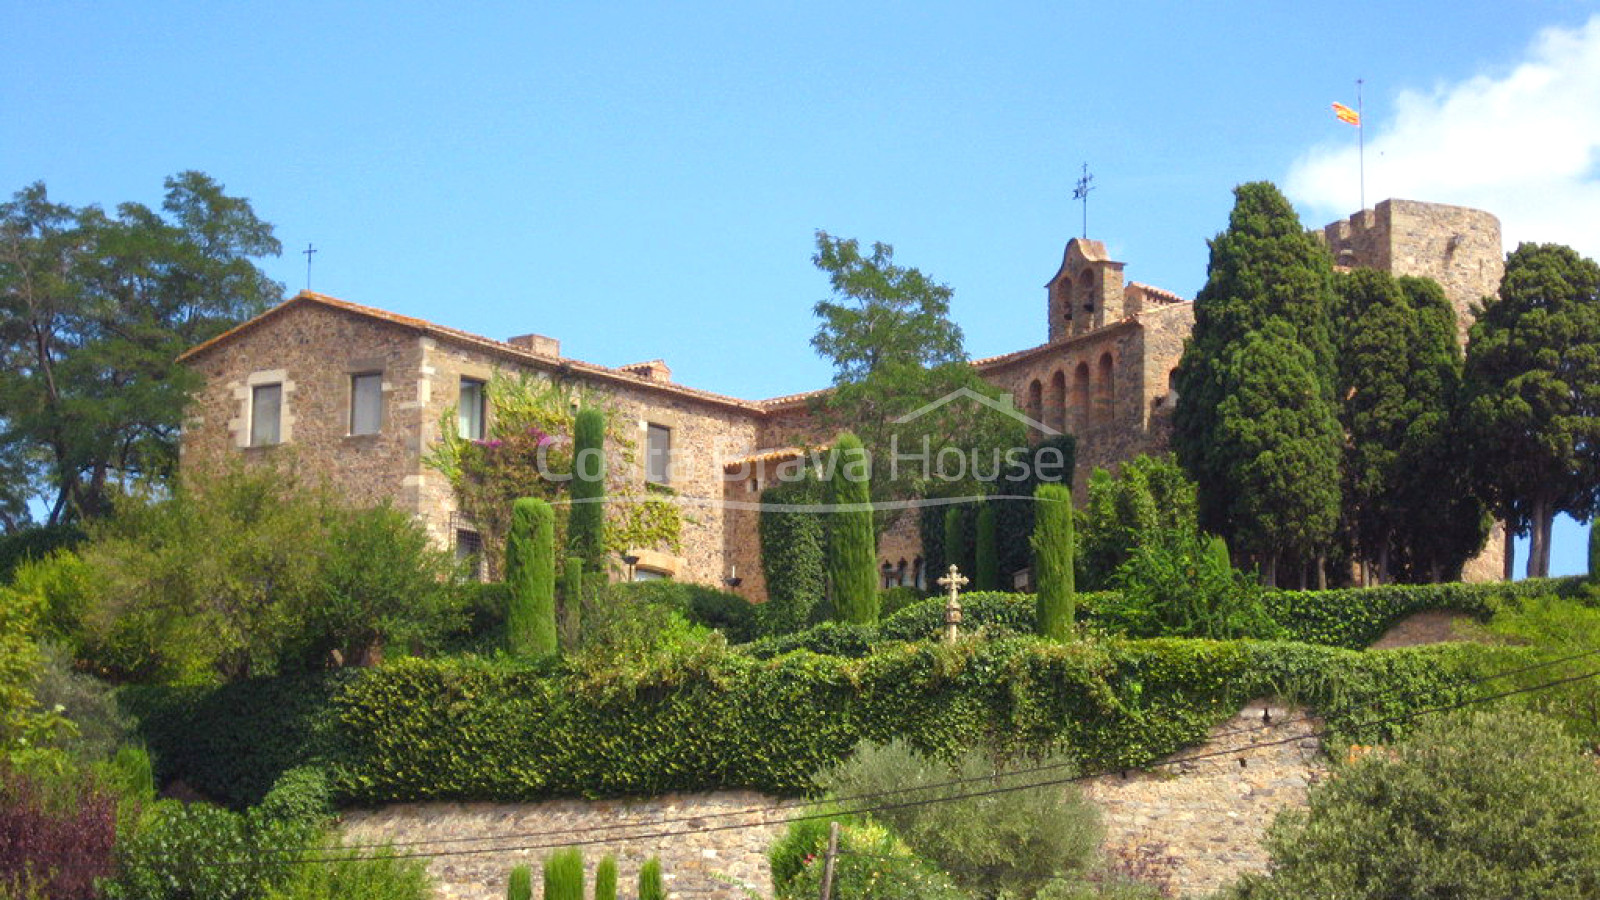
{"points": [[469, 550], [266, 414], [469, 408], [366, 403], [658, 455]]}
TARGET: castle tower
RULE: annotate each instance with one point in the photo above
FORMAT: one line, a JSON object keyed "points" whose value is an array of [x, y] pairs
{"points": [[1455, 246], [1086, 292]]}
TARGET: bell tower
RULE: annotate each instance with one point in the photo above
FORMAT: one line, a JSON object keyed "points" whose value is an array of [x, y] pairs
{"points": [[1086, 293]]}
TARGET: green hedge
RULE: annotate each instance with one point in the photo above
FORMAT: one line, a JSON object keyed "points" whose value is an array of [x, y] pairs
{"points": [[730, 613], [480, 730]]}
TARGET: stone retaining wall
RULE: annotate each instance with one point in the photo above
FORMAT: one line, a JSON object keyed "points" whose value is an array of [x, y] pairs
{"points": [[1191, 828]]}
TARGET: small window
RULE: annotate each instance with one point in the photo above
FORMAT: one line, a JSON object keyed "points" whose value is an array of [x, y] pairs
{"points": [[658, 455], [643, 574], [366, 403], [469, 550], [266, 414], [470, 408]]}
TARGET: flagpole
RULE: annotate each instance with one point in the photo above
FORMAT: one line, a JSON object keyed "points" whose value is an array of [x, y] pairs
{"points": [[1361, 144]]}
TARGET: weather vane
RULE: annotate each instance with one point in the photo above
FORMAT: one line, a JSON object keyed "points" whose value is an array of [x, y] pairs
{"points": [[1085, 185], [308, 251]]}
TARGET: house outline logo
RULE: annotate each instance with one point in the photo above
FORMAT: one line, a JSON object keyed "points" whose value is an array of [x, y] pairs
{"points": [[1004, 406]]}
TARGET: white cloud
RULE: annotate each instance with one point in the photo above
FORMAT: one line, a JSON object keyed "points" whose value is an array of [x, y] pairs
{"points": [[1524, 145]]}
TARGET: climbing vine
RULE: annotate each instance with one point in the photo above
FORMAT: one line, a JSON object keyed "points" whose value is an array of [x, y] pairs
{"points": [[526, 451]]}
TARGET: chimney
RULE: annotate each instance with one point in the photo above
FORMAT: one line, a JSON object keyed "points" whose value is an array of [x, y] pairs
{"points": [[654, 370], [537, 343]]}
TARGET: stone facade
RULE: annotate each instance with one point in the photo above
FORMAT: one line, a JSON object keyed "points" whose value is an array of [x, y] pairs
{"points": [[1104, 374]]}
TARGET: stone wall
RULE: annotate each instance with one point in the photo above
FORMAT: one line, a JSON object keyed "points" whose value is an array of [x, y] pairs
{"points": [[313, 352], [1191, 828]]}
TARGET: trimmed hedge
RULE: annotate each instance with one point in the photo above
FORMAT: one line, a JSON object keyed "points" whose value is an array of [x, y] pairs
{"points": [[479, 730]]}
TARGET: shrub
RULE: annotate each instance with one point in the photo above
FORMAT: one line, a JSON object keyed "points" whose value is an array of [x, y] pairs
{"points": [[1179, 588], [650, 886], [1483, 805], [299, 797], [871, 865], [98, 726], [897, 598], [56, 836], [366, 874], [64, 585], [36, 544], [605, 878], [586, 523], [563, 875], [19, 656], [519, 886], [531, 579], [176, 850], [1052, 560], [381, 583], [997, 614], [852, 543], [727, 612], [792, 554], [827, 638], [1010, 842]]}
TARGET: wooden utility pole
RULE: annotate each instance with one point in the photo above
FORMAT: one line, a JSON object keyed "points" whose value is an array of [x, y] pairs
{"points": [[827, 861]]}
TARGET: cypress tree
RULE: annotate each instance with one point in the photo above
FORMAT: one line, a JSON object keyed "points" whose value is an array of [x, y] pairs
{"points": [[988, 575], [1266, 274], [605, 879], [650, 886], [1217, 549], [563, 875], [793, 550], [520, 884], [955, 541], [572, 600], [586, 526], [852, 545], [531, 578], [1594, 550], [1052, 561]]}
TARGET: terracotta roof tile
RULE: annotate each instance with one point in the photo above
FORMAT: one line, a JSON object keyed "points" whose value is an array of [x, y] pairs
{"points": [[521, 354]]}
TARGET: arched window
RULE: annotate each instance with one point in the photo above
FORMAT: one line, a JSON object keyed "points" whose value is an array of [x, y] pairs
{"points": [[1104, 389], [1035, 405], [1080, 397], [1086, 290], [900, 574], [1055, 402], [918, 577]]}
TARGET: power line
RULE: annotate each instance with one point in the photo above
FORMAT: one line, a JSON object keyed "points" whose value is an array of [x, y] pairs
{"points": [[1409, 693], [907, 804]]}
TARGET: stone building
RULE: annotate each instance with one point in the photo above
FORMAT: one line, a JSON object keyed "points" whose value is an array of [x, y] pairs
{"points": [[360, 395]]}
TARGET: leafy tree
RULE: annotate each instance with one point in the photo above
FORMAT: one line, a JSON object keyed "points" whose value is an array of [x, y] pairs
{"points": [[895, 351], [1149, 500], [1053, 549], [586, 523], [1399, 380], [1262, 318], [1473, 807], [1184, 586], [1533, 393], [94, 310], [852, 547]]}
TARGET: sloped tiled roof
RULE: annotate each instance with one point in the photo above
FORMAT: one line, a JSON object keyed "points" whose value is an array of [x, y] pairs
{"points": [[453, 335]]}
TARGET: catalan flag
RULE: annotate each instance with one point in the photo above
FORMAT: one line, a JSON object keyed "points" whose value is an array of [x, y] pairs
{"points": [[1346, 114]]}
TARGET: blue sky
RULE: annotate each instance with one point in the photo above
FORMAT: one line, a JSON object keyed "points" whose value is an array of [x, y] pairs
{"points": [[644, 180]]}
